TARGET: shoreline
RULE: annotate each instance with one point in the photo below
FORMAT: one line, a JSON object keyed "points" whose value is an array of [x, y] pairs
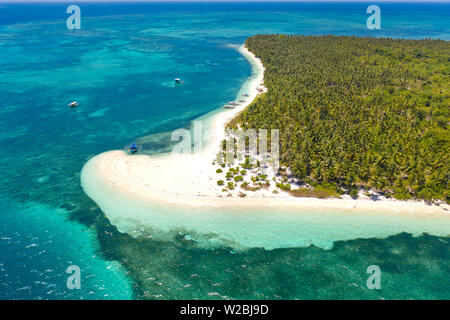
{"points": [[190, 179], [164, 197]]}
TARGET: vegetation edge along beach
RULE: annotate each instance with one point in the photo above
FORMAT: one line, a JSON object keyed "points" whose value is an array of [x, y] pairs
{"points": [[192, 180], [356, 115]]}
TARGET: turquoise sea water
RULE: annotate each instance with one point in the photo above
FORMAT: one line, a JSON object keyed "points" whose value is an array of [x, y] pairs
{"points": [[120, 67]]}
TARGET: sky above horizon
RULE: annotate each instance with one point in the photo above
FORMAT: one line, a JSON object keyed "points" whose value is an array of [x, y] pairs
{"points": [[373, 1]]}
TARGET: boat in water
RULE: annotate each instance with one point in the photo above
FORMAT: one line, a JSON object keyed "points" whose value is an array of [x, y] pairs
{"points": [[73, 104], [133, 148]]}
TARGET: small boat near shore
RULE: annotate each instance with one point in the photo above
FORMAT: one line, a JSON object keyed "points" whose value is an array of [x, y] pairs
{"points": [[246, 95], [133, 148], [233, 103], [228, 107], [73, 104]]}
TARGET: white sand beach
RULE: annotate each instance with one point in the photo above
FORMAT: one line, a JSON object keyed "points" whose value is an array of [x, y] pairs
{"points": [[191, 179], [163, 194]]}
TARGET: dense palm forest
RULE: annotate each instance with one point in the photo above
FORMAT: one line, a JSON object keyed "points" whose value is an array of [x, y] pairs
{"points": [[358, 112]]}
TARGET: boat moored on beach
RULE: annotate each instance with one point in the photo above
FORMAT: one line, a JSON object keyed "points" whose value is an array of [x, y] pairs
{"points": [[133, 148]]}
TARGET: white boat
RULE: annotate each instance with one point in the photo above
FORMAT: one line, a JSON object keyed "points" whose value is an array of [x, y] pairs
{"points": [[73, 104]]}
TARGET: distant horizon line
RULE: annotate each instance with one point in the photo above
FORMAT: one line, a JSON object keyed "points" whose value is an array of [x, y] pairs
{"points": [[227, 1]]}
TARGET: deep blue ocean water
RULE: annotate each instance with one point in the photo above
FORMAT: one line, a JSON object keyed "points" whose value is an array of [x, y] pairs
{"points": [[120, 67]]}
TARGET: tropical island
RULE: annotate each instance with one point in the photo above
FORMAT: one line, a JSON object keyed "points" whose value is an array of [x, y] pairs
{"points": [[363, 147], [354, 115]]}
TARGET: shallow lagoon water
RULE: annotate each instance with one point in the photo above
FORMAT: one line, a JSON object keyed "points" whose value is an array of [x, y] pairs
{"points": [[120, 68]]}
